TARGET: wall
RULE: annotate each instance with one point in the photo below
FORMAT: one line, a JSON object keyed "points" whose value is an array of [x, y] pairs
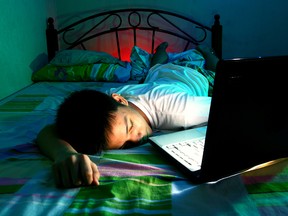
{"points": [[22, 46], [251, 28]]}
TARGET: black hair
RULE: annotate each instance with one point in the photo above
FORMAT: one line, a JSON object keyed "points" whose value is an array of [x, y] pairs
{"points": [[84, 119]]}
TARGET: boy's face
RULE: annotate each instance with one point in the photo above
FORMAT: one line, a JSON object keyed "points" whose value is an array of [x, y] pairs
{"points": [[128, 129]]}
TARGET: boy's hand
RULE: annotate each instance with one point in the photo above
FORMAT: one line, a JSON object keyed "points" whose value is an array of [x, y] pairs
{"points": [[74, 170]]}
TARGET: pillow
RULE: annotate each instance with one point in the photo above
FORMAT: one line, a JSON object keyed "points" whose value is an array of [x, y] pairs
{"points": [[111, 72], [140, 62], [80, 57], [81, 73]]}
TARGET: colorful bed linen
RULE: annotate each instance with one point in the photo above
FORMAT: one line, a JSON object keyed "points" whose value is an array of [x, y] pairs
{"points": [[135, 181]]}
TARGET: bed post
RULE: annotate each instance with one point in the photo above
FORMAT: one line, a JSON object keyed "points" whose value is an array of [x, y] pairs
{"points": [[51, 39], [217, 36]]}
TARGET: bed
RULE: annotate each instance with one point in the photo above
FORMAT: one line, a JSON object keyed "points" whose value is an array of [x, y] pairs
{"points": [[136, 181]]}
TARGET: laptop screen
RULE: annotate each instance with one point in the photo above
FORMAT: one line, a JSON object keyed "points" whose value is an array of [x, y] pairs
{"points": [[248, 116]]}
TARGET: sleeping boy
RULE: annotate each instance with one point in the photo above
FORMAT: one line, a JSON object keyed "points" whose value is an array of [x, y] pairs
{"points": [[89, 121]]}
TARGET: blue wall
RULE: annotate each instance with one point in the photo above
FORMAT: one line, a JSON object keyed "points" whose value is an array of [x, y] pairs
{"points": [[23, 45], [251, 28]]}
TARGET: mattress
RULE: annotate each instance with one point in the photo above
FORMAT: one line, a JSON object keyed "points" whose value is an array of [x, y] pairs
{"points": [[136, 181]]}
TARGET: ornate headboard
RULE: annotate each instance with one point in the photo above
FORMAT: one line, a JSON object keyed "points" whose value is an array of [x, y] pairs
{"points": [[156, 22]]}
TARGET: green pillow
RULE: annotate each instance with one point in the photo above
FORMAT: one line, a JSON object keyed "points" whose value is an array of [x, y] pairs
{"points": [[81, 57], [82, 73]]}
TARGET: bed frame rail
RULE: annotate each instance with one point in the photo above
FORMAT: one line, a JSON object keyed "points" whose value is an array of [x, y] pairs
{"points": [[134, 20]]}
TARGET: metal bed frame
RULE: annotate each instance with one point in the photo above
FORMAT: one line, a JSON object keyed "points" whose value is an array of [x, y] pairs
{"points": [[134, 20]]}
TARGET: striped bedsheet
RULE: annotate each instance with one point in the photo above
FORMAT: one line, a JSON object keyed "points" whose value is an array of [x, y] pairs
{"points": [[135, 181]]}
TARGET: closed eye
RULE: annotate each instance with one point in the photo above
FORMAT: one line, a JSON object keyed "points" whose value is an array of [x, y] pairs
{"points": [[131, 126]]}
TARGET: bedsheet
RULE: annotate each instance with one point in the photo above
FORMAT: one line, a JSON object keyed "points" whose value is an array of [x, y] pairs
{"points": [[135, 181]]}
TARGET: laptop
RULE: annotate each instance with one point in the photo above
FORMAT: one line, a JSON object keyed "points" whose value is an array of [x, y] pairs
{"points": [[247, 124]]}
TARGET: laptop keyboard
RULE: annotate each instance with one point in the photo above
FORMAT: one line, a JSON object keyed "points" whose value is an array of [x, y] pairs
{"points": [[189, 152]]}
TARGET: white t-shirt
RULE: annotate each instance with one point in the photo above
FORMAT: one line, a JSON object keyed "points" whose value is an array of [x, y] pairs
{"points": [[171, 97]]}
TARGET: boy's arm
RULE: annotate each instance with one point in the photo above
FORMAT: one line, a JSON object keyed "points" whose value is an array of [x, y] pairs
{"points": [[70, 168]]}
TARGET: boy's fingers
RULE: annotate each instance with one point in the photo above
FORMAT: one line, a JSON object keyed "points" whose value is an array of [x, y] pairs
{"points": [[86, 170], [96, 173], [75, 170], [62, 177], [66, 179]]}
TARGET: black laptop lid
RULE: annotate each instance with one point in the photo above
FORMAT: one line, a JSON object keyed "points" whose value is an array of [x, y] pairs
{"points": [[249, 115]]}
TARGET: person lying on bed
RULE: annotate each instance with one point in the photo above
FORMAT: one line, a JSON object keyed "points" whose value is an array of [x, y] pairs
{"points": [[89, 121]]}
